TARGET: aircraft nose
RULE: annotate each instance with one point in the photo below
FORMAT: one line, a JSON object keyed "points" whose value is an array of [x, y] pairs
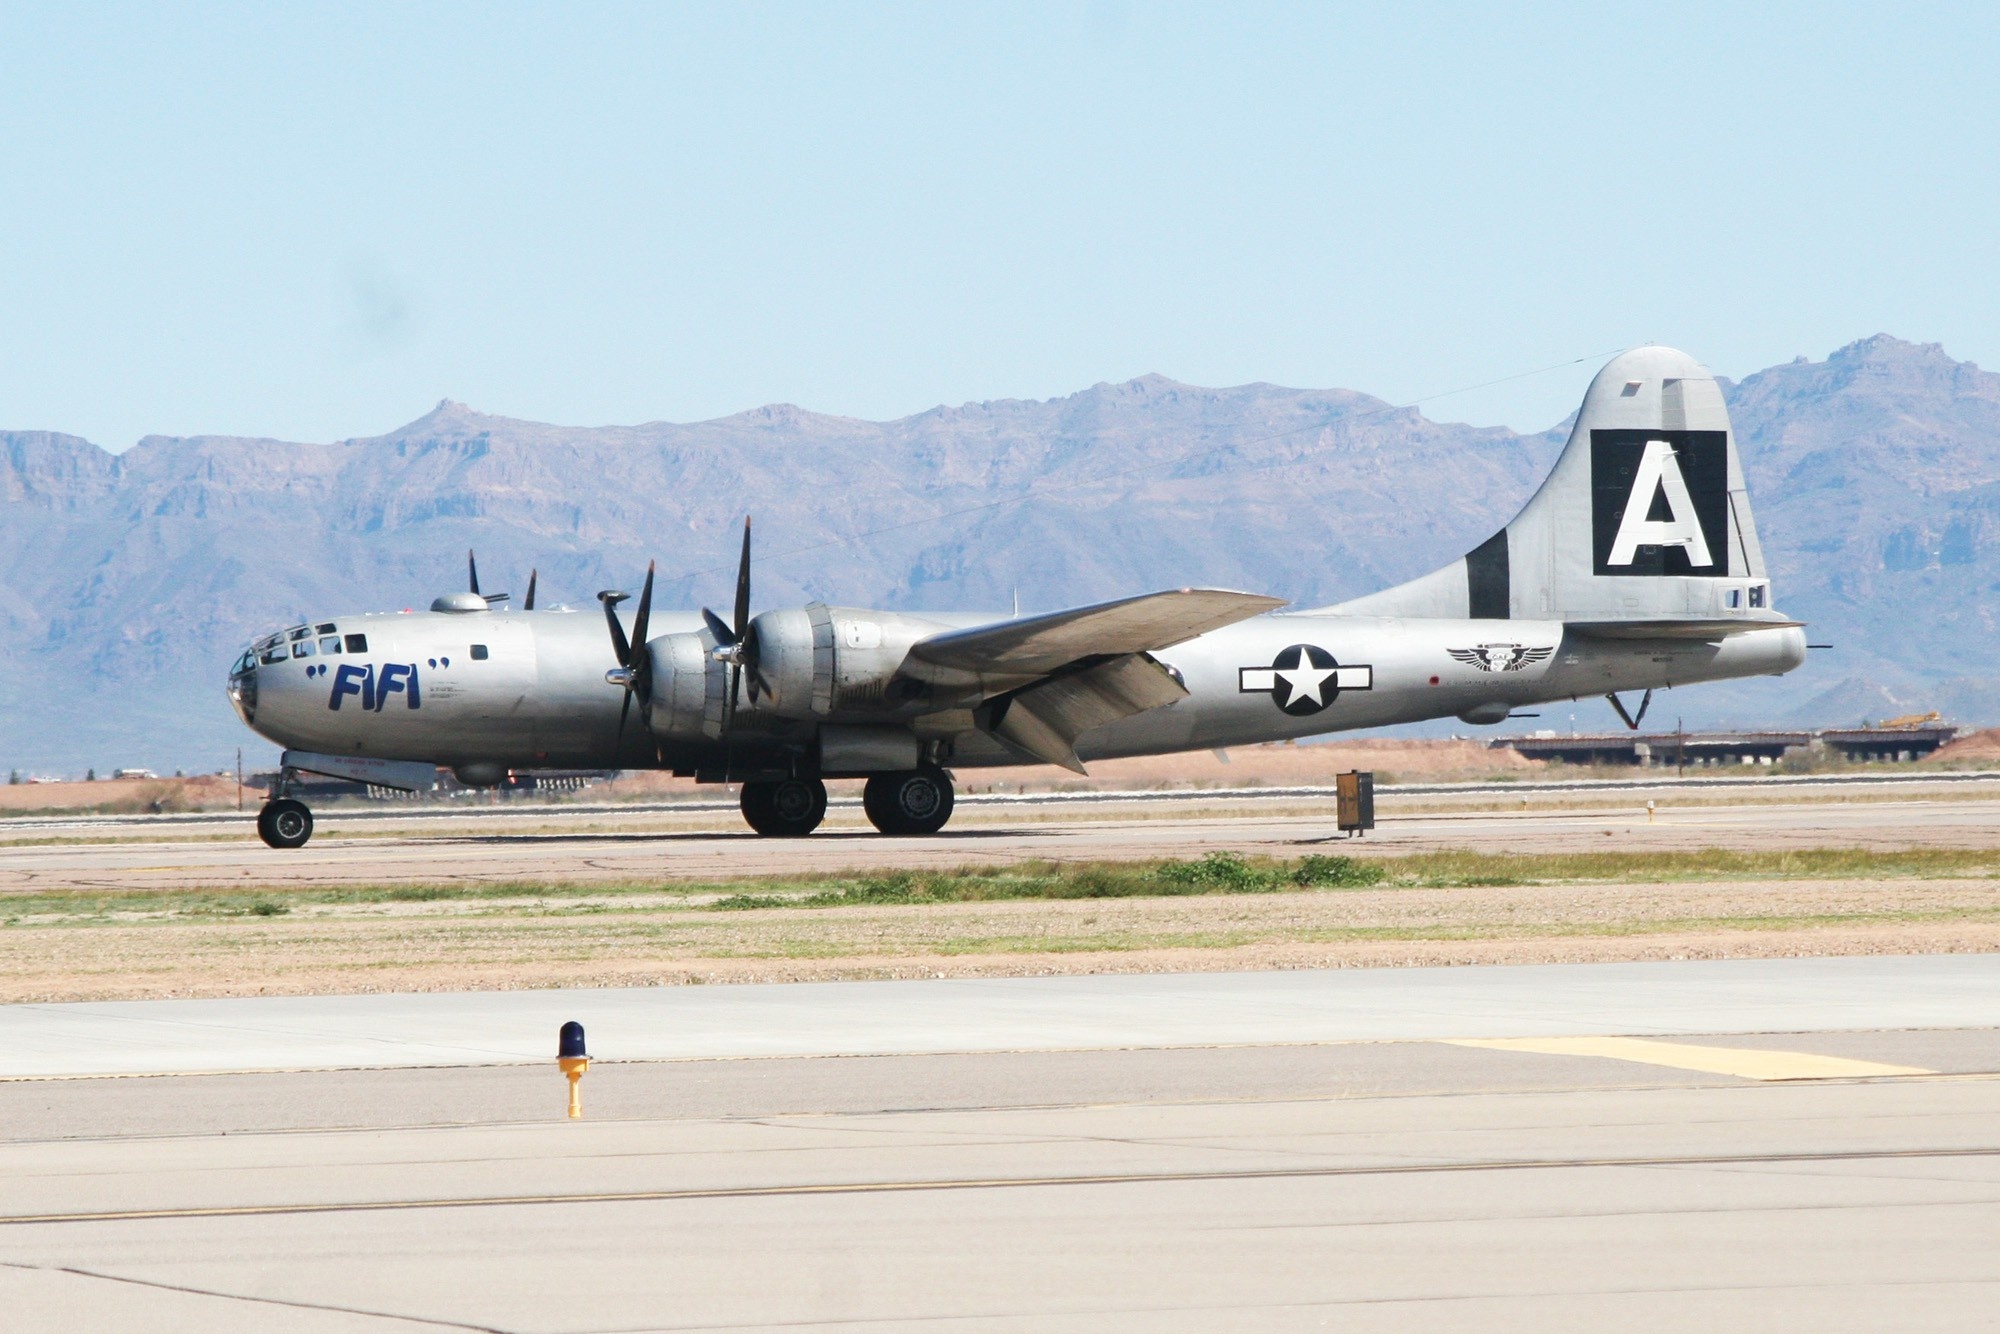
{"points": [[243, 687]]}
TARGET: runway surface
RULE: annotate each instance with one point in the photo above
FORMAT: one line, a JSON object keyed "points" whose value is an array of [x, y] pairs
{"points": [[1781, 1144], [1005, 1014], [592, 847]]}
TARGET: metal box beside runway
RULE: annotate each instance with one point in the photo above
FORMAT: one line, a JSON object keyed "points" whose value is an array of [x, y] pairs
{"points": [[1354, 801]]}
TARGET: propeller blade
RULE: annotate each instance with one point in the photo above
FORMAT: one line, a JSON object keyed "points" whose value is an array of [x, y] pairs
{"points": [[742, 622], [624, 711], [611, 597], [472, 569], [639, 622], [529, 605], [724, 636], [748, 656]]}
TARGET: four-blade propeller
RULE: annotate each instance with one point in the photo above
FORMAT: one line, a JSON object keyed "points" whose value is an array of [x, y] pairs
{"points": [[472, 582], [736, 644], [635, 667]]}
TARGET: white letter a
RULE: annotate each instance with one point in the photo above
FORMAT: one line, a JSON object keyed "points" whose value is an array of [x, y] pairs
{"points": [[1659, 471]]}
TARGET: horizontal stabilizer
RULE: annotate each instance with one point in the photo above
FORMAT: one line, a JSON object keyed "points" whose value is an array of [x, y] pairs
{"points": [[1046, 718], [1038, 645], [1676, 627]]}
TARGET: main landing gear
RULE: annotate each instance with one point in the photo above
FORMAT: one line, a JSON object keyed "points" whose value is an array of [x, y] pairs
{"points": [[785, 807], [916, 801]]}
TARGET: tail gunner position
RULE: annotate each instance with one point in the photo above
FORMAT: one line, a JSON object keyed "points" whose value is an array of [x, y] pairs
{"points": [[1635, 567]]}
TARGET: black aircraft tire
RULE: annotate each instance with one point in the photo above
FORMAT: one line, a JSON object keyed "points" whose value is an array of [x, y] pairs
{"points": [[916, 801], [285, 823], [786, 808]]}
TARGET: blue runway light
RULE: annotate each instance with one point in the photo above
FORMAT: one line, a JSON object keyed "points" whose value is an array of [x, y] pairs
{"points": [[572, 1060]]}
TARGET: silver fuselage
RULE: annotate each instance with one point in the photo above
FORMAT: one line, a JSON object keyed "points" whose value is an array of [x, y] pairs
{"points": [[527, 690]]}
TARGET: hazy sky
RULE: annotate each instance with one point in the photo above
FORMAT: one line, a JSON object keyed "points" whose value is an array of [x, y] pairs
{"points": [[313, 222]]}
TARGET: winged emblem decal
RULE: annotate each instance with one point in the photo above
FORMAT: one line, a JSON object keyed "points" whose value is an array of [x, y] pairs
{"points": [[1501, 657]]}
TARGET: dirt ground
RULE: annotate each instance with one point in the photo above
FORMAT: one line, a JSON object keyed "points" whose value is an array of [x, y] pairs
{"points": [[203, 792], [1973, 747], [475, 945]]}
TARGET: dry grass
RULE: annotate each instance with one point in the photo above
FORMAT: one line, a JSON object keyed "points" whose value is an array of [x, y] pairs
{"points": [[1221, 912]]}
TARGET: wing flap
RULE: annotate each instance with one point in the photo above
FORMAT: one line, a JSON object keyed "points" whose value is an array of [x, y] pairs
{"points": [[1038, 645], [1046, 718]]}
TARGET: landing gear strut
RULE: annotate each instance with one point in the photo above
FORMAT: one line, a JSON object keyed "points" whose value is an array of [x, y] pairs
{"points": [[786, 807], [916, 801]]}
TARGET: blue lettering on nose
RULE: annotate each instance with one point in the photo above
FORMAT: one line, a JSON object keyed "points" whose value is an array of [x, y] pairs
{"points": [[398, 678], [352, 680]]}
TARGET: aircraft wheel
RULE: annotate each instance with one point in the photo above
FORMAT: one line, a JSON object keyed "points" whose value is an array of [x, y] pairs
{"points": [[787, 808], [285, 823], [917, 801]]}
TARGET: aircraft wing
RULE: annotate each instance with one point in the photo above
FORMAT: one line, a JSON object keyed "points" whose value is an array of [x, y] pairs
{"points": [[1031, 646], [1049, 679]]}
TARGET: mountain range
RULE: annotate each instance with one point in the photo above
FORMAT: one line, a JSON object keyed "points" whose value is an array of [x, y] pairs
{"points": [[129, 581]]}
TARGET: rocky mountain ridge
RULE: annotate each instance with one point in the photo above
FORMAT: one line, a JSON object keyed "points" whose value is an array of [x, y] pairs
{"points": [[127, 582]]}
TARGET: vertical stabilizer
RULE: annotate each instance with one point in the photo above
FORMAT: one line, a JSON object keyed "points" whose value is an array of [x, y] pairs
{"points": [[1643, 518]]}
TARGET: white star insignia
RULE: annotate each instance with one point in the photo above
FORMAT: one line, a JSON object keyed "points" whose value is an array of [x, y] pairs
{"points": [[1306, 680]]}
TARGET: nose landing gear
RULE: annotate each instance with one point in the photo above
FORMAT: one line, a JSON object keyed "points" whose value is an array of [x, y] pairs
{"points": [[285, 821]]}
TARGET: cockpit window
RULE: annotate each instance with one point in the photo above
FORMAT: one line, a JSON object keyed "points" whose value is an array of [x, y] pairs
{"points": [[266, 642], [328, 628], [299, 632], [331, 644], [357, 643], [303, 649], [276, 653]]}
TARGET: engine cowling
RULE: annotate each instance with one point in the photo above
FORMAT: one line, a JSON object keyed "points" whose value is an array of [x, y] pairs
{"points": [[688, 687], [817, 662]]}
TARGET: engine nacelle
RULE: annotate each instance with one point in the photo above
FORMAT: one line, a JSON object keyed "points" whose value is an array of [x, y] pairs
{"points": [[819, 661], [688, 687]]}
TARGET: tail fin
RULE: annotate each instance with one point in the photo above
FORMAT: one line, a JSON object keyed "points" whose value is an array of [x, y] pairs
{"points": [[1643, 521]]}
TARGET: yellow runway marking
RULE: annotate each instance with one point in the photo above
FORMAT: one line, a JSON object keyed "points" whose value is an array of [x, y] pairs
{"points": [[1743, 1062]]}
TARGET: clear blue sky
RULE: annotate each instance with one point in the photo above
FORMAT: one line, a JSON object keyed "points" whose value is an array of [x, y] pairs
{"points": [[313, 222]]}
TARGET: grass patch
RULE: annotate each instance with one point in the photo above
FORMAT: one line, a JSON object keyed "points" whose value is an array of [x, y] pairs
{"points": [[1217, 873], [1220, 873]]}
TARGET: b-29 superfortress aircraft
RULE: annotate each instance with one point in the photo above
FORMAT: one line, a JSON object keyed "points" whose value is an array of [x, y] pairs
{"points": [[1635, 567]]}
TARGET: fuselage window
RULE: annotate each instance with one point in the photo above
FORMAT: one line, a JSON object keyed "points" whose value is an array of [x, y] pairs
{"points": [[331, 644], [357, 643], [1757, 595], [479, 653], [1735, 598]]}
